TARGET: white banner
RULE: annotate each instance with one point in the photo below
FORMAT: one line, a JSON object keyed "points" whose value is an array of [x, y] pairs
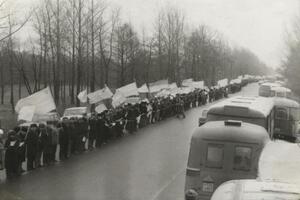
{"points": [[42, 100], [82, 96], [132, 100], [26, 113], [100, 95], [198, 84], [118, 99], [187, 82], [172, 86], [223, 82], [143, 89], [158, 86], [100, 108], [129, 90]]}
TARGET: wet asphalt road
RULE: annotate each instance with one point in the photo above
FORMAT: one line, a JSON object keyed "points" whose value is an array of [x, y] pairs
{"points": [[149, 165]]}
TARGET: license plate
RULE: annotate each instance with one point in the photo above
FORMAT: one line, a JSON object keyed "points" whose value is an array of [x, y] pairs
{"points": [[208, 187]]}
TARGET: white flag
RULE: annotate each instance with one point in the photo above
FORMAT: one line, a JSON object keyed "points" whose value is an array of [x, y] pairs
{"points": [[26, 113], [42, 100], [143, 89], [223, 82], [187, 82], [158, 86], [118, 99], [100, 95], [100, 108], [198, 84], [129, 90], [82, 96]]}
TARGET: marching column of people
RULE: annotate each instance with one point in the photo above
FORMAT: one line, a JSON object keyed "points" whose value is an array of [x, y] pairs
{"points": [[38, 143]]}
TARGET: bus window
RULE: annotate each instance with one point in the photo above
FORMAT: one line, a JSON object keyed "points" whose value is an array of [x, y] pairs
{"points": [[242, 158], [281, 113], [215, 154]]}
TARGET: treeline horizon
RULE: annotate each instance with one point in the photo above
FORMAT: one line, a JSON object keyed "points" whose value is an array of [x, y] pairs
{"points": [[86, 44]]}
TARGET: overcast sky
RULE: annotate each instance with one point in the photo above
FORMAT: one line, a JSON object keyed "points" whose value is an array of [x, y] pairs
{"points": [[259, 25]]}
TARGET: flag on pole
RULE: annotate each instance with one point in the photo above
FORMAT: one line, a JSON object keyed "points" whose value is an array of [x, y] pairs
{"points": [[26, 113], [129, 90], [223, 82], [118, 99], [82, 96], [187, 82], [158, 86], [100, 95], [143, 89], [100, 108], [198, 84], [42, 100]]}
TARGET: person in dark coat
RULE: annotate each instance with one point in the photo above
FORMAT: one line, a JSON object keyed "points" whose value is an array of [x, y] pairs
{"points": [[93, 132], [1, 149], [31, 146], [64, 140], [40, 147], [47, 141], [22, 149], [100, 130], [11, 155], [54, 142]]}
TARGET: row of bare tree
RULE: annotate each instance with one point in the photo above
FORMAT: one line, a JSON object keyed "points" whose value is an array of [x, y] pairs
{"points": [[79, 44], [290, 67]]}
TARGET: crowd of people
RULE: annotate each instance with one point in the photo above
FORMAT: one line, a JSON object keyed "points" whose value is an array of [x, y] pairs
{"points": [[37, 143]]}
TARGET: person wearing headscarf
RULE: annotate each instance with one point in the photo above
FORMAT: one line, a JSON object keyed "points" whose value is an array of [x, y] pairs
{"points": [[11, 155]]}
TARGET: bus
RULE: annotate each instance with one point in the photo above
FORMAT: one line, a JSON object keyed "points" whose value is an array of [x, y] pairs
{"points": [[280, 161], [256, 189], [281, 92], [254, 110], [265, 89], [222, 151], [286, 119]]}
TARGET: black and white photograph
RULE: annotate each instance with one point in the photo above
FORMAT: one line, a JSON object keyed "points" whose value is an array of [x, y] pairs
{"points": [[149, 99]]}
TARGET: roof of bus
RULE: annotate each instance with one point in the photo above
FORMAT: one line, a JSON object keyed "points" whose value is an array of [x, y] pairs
{"points": [[271, 84], [256, 189], [218, 130], [252, 107], [280, 161], [280, 89], [281, 101]]}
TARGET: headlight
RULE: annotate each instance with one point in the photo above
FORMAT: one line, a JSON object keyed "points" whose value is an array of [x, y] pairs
{"points": [[191, 194]]}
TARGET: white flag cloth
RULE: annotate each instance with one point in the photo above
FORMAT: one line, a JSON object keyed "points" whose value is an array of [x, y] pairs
{"points": [[42, 100], [100, 95], [100, 108], [158, 86], [82, 96], [172, 86], [132, 100], [129, 90], [26, 113], [118, 99], [223, 82], [187, 82], [198, 84], [143, 89]]}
